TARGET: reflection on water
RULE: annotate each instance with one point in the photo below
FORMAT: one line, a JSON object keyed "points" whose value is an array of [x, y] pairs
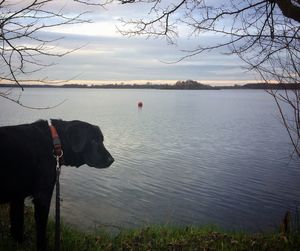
{"points": [[186, 157]]}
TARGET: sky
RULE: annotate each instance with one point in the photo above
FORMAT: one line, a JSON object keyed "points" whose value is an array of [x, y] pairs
{"points": [[103, 55]]}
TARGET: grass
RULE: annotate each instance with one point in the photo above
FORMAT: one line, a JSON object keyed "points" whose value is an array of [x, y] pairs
{"points": [[160, 238]]}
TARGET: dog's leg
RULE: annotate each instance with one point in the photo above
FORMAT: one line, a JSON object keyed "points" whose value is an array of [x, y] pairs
{"points": [[41, 211], [17, 219]]}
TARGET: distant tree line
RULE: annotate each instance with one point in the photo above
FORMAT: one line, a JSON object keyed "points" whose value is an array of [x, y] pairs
{"points": [[179, 85]]}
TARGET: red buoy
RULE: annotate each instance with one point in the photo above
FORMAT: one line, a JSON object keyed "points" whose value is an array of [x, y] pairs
{"points": [[140, 104]]}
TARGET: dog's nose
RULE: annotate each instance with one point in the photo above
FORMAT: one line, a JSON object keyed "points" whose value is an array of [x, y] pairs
{"points": [[109, 160]]}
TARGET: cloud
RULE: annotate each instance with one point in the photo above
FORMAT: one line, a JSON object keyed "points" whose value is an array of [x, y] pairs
{"points": [[106, 58]]}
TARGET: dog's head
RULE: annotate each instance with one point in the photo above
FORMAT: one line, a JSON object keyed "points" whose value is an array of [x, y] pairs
{"points": [[86, 141]]}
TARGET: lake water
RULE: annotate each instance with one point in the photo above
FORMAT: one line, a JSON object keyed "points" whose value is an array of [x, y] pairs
{"points": [[186, 157]]}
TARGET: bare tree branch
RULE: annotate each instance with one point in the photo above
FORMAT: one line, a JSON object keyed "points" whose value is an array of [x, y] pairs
{"points": [[23, 47], [6, 95], [289, 9]]}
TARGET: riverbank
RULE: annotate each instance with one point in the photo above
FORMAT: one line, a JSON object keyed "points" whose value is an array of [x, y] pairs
{"points": [[148, 238]]}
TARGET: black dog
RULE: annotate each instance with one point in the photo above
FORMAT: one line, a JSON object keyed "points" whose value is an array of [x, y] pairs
{"points": [[28, 167]]}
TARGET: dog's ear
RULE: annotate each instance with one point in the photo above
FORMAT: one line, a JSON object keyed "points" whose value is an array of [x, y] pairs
{"points": [[77, 135]]}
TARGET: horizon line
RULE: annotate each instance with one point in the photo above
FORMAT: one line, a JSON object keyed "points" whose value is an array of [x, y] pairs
{"points": [[138, 82]]}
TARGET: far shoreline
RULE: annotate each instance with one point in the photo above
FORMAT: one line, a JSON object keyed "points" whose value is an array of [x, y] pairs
{"points": [[179, 85]]}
